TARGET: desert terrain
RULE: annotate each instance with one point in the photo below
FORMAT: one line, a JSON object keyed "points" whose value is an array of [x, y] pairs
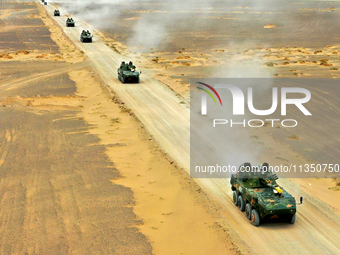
{"points": [[244, 57], [79, 173], [209, 39], [102, 171]]}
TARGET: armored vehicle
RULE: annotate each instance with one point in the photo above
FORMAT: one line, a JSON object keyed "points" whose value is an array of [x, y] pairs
{"points": [[85, 36], [56, 13], [45, 3], [256, 192], [70, 22], [127, 73]]}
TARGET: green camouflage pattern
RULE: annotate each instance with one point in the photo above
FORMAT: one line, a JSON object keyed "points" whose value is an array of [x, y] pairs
{"points": [[259, 188], [85, 36], [127, 73]]}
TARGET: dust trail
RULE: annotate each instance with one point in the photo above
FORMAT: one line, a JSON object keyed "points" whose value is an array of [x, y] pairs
{"points": [[154, 19]]}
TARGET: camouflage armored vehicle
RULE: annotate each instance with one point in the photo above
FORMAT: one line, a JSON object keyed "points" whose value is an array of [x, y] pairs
{"points": [[85, 36], [70, 22], [56, 13], [256, 192], [127, 73]]}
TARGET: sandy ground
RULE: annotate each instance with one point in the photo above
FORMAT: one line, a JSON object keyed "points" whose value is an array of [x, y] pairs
{"points": [[80, 174], [58, 205], [166, 198], [320, 215]]}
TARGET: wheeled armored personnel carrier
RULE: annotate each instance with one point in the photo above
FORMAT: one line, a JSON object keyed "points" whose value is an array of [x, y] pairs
{"points": [[70, 22], [127, 73], [256, 192], [85, 36], [56, 13]]}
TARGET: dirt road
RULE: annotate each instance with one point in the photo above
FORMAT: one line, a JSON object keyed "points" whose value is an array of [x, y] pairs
{"points": [[317, 228], [156, 106]]}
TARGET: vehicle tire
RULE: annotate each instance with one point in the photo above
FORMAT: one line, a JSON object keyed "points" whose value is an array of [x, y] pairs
{"points": [[292, 221], [235, 197], [123, 80], [241, 203], [138, 80], [248, 211], [255, 218]]}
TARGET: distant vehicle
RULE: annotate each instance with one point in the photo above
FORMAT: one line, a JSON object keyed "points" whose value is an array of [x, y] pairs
{"points": [[45, 3], [256, 192], [127, 73], [85, 36], [42, 1], [56, 13], [70, 22]]}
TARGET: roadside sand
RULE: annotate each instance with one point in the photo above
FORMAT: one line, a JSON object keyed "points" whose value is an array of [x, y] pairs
{"points": [[171, 205], [70, 53], [56, 194]]}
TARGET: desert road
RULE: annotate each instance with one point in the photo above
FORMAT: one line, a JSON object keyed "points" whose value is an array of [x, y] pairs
{"points": [[317, 229]]}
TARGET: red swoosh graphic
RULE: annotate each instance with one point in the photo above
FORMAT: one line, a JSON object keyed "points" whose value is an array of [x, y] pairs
{"points": [[212, 90]]}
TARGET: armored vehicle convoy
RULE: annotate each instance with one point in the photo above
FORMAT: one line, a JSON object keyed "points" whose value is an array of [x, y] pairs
{"points": [[70, 22], [56, 13], [256, 192], [127, 73], [85, 36]]}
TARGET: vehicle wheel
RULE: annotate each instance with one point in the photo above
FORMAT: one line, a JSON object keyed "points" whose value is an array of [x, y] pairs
{"points": [[255, 218], [292, 221], [248, 211], [235, 197], [240, 203], [138, 80], [123, 80]]}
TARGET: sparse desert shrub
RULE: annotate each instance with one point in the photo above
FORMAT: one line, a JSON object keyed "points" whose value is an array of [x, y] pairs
{"points": [[115, 120], [270, 64]]}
